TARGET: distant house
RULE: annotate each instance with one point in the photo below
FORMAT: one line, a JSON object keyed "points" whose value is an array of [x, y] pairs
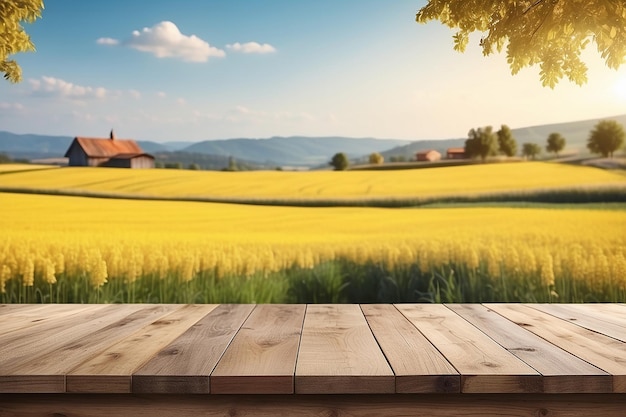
{"points": [[429, 155], [455, 153], [111, 152]]}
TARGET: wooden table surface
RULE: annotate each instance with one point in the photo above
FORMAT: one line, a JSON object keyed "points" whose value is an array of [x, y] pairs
{"points": [[313, 349]]}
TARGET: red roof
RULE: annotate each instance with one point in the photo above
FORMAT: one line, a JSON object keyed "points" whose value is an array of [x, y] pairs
{"points": [[456, 150], [106, 148], [130, 155]]}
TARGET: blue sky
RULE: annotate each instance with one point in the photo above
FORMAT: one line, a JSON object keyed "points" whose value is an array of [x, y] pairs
{"points": [[191, 70]]}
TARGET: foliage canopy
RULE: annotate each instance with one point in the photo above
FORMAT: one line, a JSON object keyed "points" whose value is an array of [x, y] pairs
{"points": [[606, 137], [551, 33], [556, 143], [481, 142], [531, 150], [376, 158], [13, 38], [506, 142], [340, 161]]}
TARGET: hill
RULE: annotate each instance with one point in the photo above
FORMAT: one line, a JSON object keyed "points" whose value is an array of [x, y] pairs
{"points": [[575, 133], [295, 150], [41, 146]]}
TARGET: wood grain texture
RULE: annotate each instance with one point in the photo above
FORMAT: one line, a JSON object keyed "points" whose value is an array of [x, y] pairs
{"points": [[19, 355], [599, 350], [419, 367], [10, 308], [25, 319], [110, 371], [339, 354], [338, 349], [261, 359], [600, 318], [562, 372], [18, 326], [184, 366], [484, 365], [57, 363], [405, 405]]}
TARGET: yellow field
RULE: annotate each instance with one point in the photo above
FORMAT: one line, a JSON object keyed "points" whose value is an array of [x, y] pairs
{"points": [[462, 180], [112, 240], [23, 167]]}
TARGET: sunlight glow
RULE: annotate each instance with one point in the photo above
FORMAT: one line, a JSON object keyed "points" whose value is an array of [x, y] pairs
{"points": [[620, 88]]}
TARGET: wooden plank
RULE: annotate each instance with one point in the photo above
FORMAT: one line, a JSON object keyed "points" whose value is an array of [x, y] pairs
{"points": [[110, 371], [16, 354], [184, 366], [12, 308], [601, 318], [18, 348], [55, 364], [599, 350], [562, 372], [339, 354], [9, 308], [15, 327], [261, 359], [484, 365], [406, 405], [419, 367]]}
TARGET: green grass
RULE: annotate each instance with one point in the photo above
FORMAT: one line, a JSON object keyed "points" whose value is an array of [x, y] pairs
{"points": [[568, 196], [339, 281]]}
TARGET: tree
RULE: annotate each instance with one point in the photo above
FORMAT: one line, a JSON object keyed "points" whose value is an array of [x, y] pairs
{"points": [[397, 158], [481, 143], [556, 143], [173, 165], [506, 142], [194, 167], [606, 137], [13, 38], [531, 150], [232, 165], [376, 158], [340, 161], [551, 33]]}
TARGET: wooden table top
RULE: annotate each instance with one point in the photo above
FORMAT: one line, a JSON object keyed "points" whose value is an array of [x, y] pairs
{"points": [[313, 349]]}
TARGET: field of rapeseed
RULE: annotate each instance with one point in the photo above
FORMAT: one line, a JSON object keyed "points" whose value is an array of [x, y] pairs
{"points": [[76, 249], [278, 186]]}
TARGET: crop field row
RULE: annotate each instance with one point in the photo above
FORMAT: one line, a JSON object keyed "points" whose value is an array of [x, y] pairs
{"points": [[73, 249], [318, 185]]}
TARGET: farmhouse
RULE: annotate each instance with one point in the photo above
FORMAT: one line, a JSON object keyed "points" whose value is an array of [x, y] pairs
{"points": [[455, 153], [429, 155], [111, 152]]}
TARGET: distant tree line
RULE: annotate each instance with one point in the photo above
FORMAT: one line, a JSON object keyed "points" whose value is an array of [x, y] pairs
{"points": [[607, 137], [6, 159], [197, 161]]}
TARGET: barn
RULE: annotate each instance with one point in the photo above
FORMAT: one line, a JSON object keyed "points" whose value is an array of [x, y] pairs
{"points": [[455, 153], [108, 152], [429, 155]]}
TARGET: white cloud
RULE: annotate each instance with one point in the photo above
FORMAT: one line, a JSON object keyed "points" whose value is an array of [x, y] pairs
{"points": [[161, 94], [107, 41], [242, 110], [164, 40], [11, 106], [251, 48], [181, 101], [135, 94], [56, 87]]}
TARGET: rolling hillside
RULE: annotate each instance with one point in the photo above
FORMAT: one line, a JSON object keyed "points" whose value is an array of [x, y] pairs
{"points": [[298, 150]]}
